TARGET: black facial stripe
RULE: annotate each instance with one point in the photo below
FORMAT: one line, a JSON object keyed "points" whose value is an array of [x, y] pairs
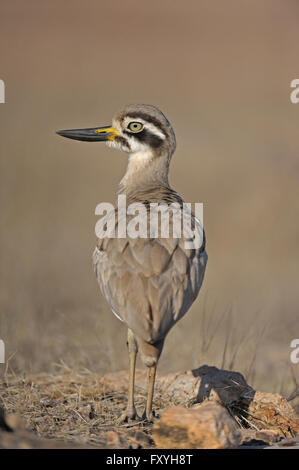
{"points": [[147, 118], [146, 137]]}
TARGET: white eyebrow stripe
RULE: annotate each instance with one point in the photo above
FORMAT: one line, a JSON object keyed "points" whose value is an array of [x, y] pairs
{"points": [[154, 130]]}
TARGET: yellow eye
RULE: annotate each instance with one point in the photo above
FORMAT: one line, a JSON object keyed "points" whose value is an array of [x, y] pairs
{"points": [[135, 126]]}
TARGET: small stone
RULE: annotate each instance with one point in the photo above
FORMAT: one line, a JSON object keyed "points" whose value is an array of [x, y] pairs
{"points": [[138, 439], [114, 440]]}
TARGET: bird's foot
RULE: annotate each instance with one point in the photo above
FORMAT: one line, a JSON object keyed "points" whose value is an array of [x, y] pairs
{"points": [[129, 416], [149, 417]]}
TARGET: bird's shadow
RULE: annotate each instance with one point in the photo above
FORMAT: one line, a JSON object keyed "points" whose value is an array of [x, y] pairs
{"points": [[227, 387]]}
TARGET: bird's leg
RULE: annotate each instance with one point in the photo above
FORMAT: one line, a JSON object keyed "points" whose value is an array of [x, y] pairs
{"points": [[148, 414], [133, 349], [131, 413]]}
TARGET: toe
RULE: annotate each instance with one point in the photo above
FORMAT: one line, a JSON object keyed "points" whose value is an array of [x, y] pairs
{"points": [[129, 416]]}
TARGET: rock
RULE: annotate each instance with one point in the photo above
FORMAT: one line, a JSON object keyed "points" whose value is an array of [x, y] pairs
{"points": [[139, 439], [207, 382], [273, 412], [130, 439], [261, 438], [114, 440], [208, 426]]}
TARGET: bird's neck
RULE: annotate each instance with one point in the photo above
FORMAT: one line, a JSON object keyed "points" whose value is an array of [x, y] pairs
{"points": [[145, 171]]}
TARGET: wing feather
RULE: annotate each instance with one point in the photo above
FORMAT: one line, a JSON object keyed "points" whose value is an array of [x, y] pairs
{"points": [[149, 283]]}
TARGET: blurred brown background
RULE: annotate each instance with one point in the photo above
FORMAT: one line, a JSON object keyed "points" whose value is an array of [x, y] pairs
{"points": [[221, 73]]}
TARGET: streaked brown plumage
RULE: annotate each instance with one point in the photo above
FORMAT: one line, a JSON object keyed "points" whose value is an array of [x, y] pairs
{"points": [[149, 283]]}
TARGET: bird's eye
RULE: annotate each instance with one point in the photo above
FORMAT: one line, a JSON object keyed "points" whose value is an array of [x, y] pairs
{"points": [[135, 126]]}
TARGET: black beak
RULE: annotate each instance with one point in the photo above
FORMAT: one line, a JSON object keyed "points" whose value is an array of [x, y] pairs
{"points": [[95, 134]]}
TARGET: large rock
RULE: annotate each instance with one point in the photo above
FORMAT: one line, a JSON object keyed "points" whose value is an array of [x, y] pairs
{"points": [[207, 426], [207, 382]]}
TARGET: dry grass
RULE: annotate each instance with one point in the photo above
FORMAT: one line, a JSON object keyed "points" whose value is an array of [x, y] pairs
{"points": [[72, 405]]}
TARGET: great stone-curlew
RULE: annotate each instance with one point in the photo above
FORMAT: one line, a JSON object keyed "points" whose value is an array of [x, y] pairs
{"points": [[151, 282]]}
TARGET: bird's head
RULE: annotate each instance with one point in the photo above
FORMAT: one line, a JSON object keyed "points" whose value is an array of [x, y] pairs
{"points": [[138, 129]]}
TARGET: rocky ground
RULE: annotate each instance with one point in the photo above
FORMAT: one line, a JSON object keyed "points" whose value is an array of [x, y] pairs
{"points": [[203, 408]]}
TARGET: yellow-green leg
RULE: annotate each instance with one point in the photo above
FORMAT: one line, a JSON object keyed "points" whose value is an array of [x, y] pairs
{"points": [[150, 393], [131, 413]]}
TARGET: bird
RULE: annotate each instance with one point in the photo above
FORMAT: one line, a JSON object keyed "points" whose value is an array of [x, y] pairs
{"points": [[149, 283]]}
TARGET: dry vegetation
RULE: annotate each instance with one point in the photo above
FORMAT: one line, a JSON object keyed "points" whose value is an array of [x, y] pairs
{"points": [[74, 406], [77, 407]]}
